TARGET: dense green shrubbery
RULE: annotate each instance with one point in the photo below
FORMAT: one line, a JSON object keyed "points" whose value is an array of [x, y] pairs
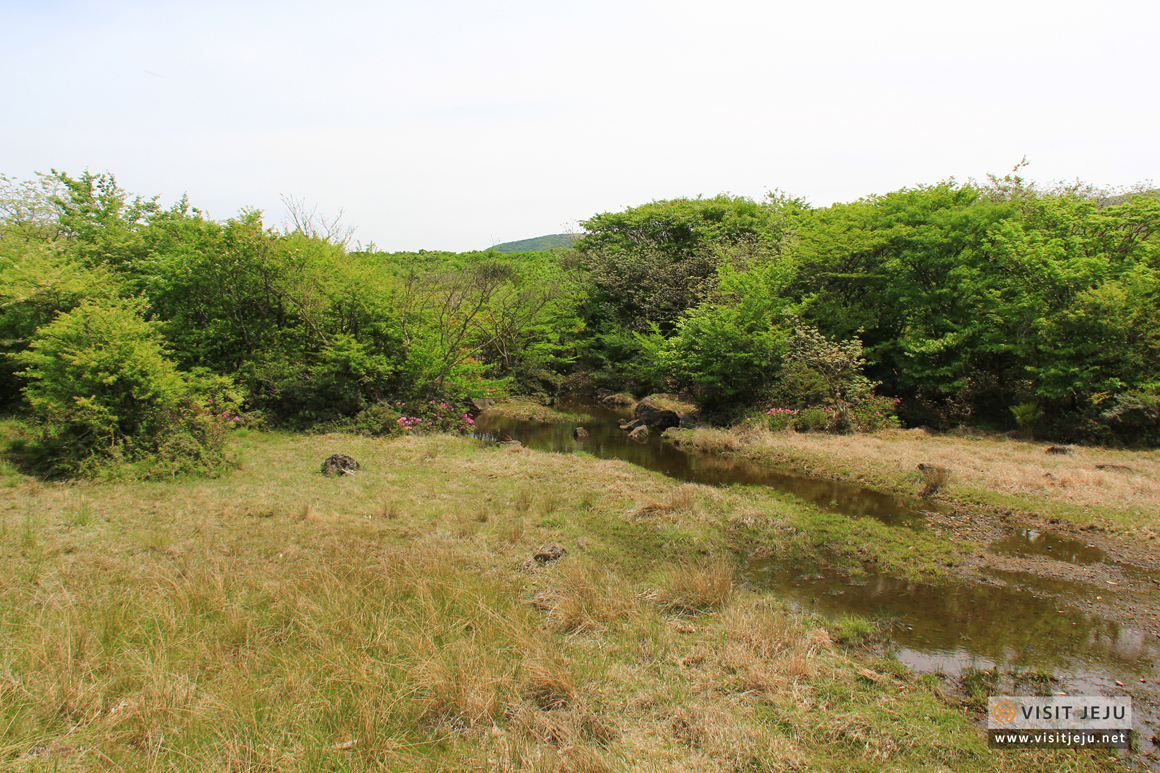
{"points": [[968, 300], [871, 414], [104, 391], [960, 302], [399, 417]]}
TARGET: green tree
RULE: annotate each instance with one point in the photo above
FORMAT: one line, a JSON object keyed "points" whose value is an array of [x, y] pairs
{"points": [[97, 376]]}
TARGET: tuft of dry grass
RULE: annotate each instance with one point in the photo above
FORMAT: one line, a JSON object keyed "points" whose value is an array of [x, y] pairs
{"points": [[549, 503], [697, 589], [548, 682], [512, 530], [731, 743], [390, 509], [461, 691], [584, 597], [682, 501]]}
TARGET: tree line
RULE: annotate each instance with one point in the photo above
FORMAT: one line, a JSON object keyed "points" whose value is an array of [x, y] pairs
{"points": [[136, 334]]}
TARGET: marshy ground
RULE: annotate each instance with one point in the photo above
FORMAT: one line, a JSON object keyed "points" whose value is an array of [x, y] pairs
{"points": [[275, 619], [1102, 502], [396, 620]]}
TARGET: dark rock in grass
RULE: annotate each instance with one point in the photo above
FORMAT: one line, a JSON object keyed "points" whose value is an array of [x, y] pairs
{"points": [[478, 405], [340, 464], [615, 399], [935, 476], [1114, 467], [1062, 450], [548, 553], [654, 417], [579, 433]]}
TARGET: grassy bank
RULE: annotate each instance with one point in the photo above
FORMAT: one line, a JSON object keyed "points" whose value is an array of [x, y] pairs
{"points": [[397, 619], [1114, 490], [526, 409]]}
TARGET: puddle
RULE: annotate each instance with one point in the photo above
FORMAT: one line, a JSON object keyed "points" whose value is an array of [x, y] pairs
{"points": [[949, 629], [1029, 543], [606, 440], [964, 625]]}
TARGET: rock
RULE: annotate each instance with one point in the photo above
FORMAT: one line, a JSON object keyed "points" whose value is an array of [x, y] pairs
{"points": [[579, 433], [654, 417], [1115, 467], [615, 399], [629, 425], [548, 553], [639, 434], [935, 476], [478, 405], [340, 464], [1063, 450]]}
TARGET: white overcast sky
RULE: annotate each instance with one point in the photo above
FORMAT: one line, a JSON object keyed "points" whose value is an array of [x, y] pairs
{"points": [[451, 124]]}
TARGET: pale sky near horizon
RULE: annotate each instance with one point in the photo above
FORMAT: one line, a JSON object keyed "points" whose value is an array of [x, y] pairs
{"points": [[456, 125]]}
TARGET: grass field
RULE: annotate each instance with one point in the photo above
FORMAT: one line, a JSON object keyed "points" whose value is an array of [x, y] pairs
{"points": [[278, 620]]}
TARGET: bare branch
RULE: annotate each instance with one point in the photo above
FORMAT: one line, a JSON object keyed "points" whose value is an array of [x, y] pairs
{"points": [[305, 220]]}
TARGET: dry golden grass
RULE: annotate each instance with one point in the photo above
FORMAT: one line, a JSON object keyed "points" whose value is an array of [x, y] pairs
{"points": [[527, 409], [699, 588], [583, 597], [280, 620], [1009, 467], [548, 682]]}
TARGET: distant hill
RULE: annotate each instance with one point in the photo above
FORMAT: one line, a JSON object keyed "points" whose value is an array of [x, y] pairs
{"points": [[549, 242]]}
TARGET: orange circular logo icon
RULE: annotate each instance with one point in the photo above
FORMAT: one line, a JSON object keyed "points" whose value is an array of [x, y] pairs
{"points": [[1004, 712]]}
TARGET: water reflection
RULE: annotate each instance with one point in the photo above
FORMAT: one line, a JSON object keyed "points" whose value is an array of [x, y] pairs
{"points": [[607, 441], [944, 628], [1030, 542], [964, 625]]}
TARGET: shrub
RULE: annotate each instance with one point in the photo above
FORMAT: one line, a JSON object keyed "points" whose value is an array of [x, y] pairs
{"points": [[1132, 418], [400, 417], [820, 420], [874, 414], [1026, 416], [778, 419], [100, 384]]}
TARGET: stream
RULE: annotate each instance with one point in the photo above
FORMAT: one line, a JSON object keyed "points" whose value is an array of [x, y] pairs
{"points": [[1020, 624]]}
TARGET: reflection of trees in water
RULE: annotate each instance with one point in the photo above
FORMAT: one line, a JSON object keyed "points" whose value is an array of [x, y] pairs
{"points": [[1009, 627]]}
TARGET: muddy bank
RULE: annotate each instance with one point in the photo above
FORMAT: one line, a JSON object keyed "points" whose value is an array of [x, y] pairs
{"points": [[1129, 535]]}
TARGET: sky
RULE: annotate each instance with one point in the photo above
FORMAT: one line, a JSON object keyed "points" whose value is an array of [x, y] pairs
{"points": [[456, 125]]}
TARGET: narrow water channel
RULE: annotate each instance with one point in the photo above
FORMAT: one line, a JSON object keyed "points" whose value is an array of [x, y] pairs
{"points": [[1021, 623]]}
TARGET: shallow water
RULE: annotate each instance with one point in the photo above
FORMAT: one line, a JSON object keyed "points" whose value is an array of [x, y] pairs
{"points": [[1019, 624], [956, 626], [606, 440], [1032, 543]]}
